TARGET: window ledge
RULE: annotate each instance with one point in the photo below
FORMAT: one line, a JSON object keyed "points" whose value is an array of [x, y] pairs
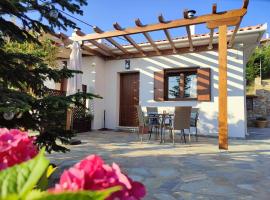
{"points": [[182, 99]]}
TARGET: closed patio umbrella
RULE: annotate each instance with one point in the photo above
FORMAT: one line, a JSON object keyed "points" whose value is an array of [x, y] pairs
{"points": [[75, 83], [75, 63]]}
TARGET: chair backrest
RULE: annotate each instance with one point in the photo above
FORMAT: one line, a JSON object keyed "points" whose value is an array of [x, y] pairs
{"points": [[150, 110], [194, 117], [182, 118], [140, 116], [195, 113]]}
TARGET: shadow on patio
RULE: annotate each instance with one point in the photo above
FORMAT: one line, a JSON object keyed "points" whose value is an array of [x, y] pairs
{"points": [[195, 171]]}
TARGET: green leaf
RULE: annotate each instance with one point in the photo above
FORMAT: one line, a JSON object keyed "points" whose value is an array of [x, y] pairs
{"points": [[80, 195], [20, 179], [50, 171], [44, 180]]}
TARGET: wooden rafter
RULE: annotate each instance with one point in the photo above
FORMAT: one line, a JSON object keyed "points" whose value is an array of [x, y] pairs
{"points": [[232, 39], [166, 52], [101, 47], [211, 38], [112, 41], [245, 4], [167, 33], [214, 8], [191, 48], [92, 51], [148, 37], [231, 42], [129, 39], [214, 11], [68, 41]]}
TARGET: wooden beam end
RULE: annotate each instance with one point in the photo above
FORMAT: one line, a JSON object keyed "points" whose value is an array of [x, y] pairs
{"points": [[139, 23], [245, 4], [185, 13], [117, 26], [214, 8], [97, 29]]}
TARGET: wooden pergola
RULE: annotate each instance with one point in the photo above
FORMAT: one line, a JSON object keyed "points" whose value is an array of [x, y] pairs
{"points": [[220, 20]]}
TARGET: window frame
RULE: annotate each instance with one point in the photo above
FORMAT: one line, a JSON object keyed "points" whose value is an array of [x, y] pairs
{"points": [[178, 71]]}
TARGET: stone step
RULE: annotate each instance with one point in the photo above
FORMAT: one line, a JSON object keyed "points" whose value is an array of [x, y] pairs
{"points": [[127, 129]]}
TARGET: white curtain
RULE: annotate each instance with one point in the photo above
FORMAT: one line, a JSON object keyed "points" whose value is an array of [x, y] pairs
{"points": [[75, 63]]}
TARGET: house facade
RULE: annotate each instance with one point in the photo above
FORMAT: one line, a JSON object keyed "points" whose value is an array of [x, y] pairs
{"points": [[180, 79]]}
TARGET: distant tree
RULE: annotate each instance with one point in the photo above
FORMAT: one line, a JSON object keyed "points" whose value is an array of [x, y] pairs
{"points": [[261, 54], [25, 64]]}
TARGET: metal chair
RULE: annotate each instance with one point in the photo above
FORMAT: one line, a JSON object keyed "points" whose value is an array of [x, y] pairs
{"points": [[153, 120], [181, 121], [194, 119], [143, 122]]}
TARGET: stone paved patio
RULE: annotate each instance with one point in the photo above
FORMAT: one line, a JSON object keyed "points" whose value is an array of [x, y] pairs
{"points": [[192, 171]]}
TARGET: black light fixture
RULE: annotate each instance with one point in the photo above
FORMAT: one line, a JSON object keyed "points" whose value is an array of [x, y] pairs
{"points": [[53, 12], [9, 115], [191, 14], [127, 64]]}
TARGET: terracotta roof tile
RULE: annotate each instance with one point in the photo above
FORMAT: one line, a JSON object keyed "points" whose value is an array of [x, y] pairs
{"points": [[248, 28]]}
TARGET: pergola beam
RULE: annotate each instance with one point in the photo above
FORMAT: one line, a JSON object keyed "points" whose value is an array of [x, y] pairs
{"points": [[214, 11], [92, 51], [167, 33], [129, 39], [232, 39], [211, 39], [104, 49], [161, 26], [112, 41], [68, 41], [148, 37], [165, 52], [245, 4], [191, 48]]}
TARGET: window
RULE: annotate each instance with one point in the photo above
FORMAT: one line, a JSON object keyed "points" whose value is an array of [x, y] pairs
{"points": [[181, 84]]}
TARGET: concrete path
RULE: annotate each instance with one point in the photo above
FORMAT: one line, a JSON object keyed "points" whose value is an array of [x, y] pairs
{"points": [[192, 171]]}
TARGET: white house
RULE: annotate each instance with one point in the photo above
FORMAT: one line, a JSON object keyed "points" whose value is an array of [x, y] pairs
{"points": [[154, 81]]}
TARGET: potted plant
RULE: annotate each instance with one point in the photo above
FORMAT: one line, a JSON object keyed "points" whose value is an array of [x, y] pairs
{"points": [[82, 123], [261, 122]]}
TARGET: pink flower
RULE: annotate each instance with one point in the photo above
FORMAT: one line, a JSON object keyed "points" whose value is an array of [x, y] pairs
{"points": [[93, 174], [15, 147]]}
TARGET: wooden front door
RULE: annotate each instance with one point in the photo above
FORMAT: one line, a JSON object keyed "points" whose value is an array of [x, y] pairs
{"points": [[129, 99]]}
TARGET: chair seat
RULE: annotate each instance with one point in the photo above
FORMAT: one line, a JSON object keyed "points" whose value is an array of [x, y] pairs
{"points": [[193, 122], [153, 121]]}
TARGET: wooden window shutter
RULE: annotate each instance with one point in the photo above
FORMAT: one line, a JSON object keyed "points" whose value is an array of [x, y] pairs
{"points": [[159, 86], [204, 84]]}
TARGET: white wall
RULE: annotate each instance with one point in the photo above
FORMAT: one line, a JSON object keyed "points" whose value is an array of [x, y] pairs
{"points": [[107, 84], [93, 72]]}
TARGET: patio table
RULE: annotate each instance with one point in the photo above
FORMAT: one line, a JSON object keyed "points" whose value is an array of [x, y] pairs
{"points": [[162, 122]]}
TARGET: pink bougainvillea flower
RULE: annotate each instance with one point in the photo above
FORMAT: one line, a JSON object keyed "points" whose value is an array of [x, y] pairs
{"points": [[15, 147], [93, 174]]}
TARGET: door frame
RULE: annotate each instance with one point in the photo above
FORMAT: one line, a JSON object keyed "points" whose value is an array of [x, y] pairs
{"points": [[119, 93]]}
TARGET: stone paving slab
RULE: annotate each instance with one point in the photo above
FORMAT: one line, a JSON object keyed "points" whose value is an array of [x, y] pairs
{"points": [[183, 171]]}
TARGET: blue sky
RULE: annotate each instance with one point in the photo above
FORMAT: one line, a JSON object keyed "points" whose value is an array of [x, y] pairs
{"points": [[104, 13]]}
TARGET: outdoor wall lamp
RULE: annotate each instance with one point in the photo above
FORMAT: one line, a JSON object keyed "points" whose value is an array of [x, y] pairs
{"points": [[127, 64], [191, 14], [53, 13]]}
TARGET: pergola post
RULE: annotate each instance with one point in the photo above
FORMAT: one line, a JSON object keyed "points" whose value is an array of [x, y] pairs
{"points": [[222, 86]]}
